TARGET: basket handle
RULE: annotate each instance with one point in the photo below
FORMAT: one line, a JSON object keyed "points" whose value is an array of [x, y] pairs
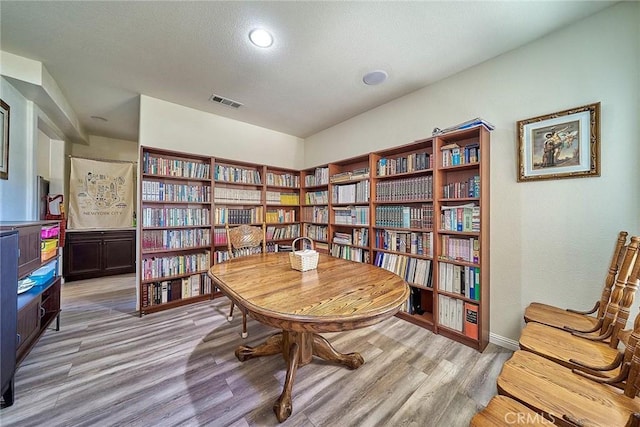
{"points": [[293, 244]]}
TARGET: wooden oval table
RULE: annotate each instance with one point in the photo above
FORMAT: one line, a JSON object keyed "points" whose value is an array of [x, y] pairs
{"points": [[339, 295]]}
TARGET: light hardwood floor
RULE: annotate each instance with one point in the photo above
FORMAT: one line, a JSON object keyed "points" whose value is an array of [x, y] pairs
{"points": [[107, 367]]}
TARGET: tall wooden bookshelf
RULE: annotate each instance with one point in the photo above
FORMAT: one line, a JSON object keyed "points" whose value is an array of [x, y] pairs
{"points": [[282, 208], [349, 215], [420, 210], [315, 208], [461, 264], [238, 198], [175, 229], [403, 232]]}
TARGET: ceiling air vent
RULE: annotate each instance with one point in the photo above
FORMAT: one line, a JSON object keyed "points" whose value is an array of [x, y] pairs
{"points": [[225, 101]]}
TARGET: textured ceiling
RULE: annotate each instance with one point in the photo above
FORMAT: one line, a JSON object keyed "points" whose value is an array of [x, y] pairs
{"points": [[104, 54]]}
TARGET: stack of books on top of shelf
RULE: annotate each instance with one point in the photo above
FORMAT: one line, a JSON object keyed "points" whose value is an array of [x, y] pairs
{"points": [[351, 175], [342, 238], [464, 125]]}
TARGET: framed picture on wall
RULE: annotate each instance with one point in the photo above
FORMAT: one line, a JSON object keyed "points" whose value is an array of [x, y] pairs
{"points": [[565, 144], [4, 147]]}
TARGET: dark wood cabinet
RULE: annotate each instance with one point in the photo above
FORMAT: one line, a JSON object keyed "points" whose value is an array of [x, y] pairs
{"points": [[90, 254], [25, 317], [8, 313]]}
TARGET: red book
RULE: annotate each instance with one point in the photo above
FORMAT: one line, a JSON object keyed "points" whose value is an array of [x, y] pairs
{"points": [[471, 320]]}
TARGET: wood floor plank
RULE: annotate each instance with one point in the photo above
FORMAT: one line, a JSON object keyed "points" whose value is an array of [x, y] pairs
{"points": [[109, 367]]}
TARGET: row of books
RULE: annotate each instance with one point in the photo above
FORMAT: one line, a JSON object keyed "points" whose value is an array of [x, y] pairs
{"points": [[458, 315], [280, 215], [315, 214], [415, 243], [459, 279], [316, 232], [237, 175], [283, 180], [350, 253], [351, 193], [413, 305], [240, 252], [177, 265], [172, 290], [175, 239], [279, 198], [319, 177], [412, 270], [174, 167], [460, 248], [458, 190], [405, 216], [238, 215], [460, 218], [358, 237], [219, 236], [237, 195], [453, 154], [352, 215], [404, 164], [278, 247], [420, 188], [161, 191], [175, 217], [283, 232], [359, 173], [317, 198]]}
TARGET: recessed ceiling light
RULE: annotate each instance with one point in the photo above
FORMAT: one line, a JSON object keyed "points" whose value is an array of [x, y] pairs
{"points": [[260, 37], [99, 118], [375, 77]]}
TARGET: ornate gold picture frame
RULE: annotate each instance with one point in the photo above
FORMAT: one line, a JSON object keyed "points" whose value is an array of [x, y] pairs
{"points": [[565, 144], [4, 147]]}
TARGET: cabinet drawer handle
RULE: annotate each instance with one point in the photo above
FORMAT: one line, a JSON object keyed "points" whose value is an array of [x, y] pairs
{"points": [[42, 311], [19, 337]]}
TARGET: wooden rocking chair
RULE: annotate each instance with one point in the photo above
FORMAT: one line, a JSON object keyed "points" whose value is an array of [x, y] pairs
{"points": [[594, 353], [575, 320], [241, 241], [570, 398]]}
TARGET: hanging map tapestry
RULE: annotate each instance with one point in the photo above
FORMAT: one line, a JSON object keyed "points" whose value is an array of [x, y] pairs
{"points": [[100, 194]]}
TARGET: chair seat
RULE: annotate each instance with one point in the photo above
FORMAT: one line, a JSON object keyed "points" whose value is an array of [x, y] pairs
{"points": [[553, 389], [560, 346], [503, 411], [558, 317]]}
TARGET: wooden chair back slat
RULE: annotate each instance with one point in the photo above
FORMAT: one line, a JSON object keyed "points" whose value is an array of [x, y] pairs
{"points": [[616, 261], [621, 280]]}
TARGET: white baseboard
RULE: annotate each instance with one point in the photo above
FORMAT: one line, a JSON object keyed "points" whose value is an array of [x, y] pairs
{"points": [[503, 342]]}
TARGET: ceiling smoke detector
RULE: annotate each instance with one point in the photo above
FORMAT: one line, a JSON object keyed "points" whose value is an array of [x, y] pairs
{"points": [[375, 77], [225, 101]]}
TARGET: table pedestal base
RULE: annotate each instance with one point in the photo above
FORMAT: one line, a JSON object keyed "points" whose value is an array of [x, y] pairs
{"points": [[298, 349]]}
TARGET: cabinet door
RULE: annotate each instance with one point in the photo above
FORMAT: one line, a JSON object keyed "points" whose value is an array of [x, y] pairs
{"points": [[29, 244], [82, 255], [119, 252], [28, 326]]}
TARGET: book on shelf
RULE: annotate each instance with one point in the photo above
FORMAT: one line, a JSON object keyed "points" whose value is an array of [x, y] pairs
{"points": [[471, 320]]}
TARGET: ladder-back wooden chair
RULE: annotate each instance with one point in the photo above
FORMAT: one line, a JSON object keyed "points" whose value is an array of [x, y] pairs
{"points": [[567, 397], [576, 320], [244, 240], [503, 411], [597, 352]]}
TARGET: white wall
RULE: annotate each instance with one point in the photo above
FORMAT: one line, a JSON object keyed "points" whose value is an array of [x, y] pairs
{"points": [[107, 148], [18, 193], [550, 241], [174, 127], [42, 155]]}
